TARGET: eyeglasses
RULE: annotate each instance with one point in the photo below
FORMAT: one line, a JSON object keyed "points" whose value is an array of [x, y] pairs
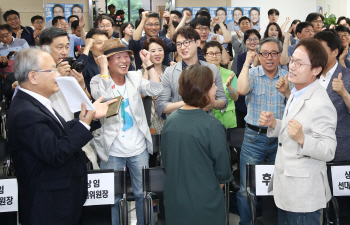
{"points": [[296, 63], [105, 26], [343, 35], [54, 71], [266, 54], [152, 24], [202, 28], [309, 31], [252, 39], [185, 43], [15, 18], [37, 22], [5, 35], [211, 54]]}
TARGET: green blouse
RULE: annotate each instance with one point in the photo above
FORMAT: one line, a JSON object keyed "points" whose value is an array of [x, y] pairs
{"points": [[227, 118]]}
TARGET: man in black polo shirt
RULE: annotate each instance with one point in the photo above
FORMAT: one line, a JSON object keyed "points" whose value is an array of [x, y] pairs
{"points": [[12, 18]]}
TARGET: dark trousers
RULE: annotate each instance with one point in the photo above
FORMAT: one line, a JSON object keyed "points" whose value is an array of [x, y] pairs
{"points": [[240, 119], [292, 218]]}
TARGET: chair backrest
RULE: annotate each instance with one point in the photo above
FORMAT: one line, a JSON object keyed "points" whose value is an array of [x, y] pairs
{"points": [[4, 152], [156, 142], [118, 182], [258, 177], [153, 180], [235, 137]]}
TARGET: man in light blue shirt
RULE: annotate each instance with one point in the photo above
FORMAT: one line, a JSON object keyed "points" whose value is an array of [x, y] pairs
{"points": [[9, 44], [60, 22]]}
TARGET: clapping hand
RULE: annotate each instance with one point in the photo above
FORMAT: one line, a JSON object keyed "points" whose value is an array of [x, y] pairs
{"points": [[229, 79]]}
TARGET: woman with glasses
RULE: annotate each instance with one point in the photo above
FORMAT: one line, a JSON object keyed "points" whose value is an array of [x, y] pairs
{"points": [[212, 52], [195, 154], [251, 40]]}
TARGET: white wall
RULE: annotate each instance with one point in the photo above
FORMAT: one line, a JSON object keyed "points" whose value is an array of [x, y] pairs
{"points": [[294, 9], [102, 5], [336, 7]]}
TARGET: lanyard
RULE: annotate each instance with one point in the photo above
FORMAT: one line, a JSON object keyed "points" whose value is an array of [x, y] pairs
{"points": [[123, 108]]}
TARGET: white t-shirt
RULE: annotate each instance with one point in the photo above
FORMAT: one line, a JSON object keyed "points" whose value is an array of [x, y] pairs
{"points": [[130, 141]]}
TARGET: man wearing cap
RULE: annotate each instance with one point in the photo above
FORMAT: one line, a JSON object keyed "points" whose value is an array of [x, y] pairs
{"points": [[125, 139]]}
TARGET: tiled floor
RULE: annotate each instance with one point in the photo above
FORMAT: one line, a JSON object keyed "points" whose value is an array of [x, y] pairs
{"points": [[234, 219]]}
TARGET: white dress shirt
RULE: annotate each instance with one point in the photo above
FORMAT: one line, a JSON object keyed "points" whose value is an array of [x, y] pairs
{"points": [[47, 103], [324, 81]]}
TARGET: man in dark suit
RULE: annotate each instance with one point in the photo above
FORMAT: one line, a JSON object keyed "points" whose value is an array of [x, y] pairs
{"points": [[336, 80], [46, 150]]}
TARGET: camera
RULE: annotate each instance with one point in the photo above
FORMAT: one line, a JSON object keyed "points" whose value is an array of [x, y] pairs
{"points": [[78, 66]]}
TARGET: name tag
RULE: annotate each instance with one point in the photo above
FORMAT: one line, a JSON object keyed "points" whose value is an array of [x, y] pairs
{"points": [[100, 189], [8, 195], [341, 180], [263, 177]]}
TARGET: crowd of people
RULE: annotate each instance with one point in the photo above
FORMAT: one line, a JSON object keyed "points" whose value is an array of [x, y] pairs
{"points": [[187, 80]]}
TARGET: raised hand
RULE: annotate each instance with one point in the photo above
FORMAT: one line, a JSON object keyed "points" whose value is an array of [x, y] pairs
{"points": [[89, 42], [295, 130], [282, 84], [167, 18], [101, 61], [229, 79], [267, 119], [250, 57], [145, 57], [239, 35], [145, 15], [82, 21], [338, 85]]}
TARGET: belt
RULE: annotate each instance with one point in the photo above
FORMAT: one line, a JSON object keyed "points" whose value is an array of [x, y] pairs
{"points": [[257, 129]]}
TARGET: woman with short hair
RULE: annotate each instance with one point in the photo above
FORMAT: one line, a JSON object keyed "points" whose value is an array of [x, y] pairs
{"points": [[195, 154]]}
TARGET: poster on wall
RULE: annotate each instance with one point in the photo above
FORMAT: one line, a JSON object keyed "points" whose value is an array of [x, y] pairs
{"points": [[66, 10], [320, 10], [230, 15], [235, 13]]}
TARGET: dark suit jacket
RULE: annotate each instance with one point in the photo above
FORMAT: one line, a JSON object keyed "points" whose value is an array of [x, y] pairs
{"points": [[342, 133], [50, 166], [10, 79], [91, 68]]}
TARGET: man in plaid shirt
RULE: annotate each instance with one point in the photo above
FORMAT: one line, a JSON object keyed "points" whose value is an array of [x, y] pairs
{"points": [[266, 88]]}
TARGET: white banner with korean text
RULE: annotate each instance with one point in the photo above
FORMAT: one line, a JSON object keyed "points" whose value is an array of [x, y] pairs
{"points": [[341, 180], [263, 177], [8, 195], [100, 189]]}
